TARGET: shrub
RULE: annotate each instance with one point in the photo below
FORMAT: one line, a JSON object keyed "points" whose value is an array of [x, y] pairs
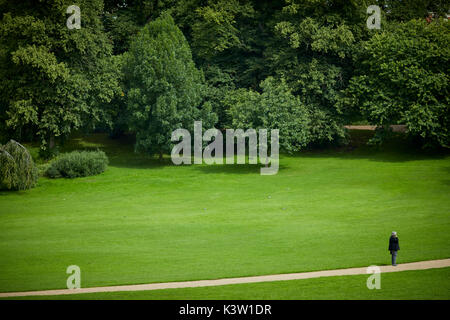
{"points": [[78, 164], [17, 169]]}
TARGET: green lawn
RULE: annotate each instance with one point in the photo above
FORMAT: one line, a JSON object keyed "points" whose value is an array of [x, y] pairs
{"points": [[424, 284], [142, 221]]}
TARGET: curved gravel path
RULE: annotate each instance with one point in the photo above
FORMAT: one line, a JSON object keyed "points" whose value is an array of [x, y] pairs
{"points": [[421, 265]]}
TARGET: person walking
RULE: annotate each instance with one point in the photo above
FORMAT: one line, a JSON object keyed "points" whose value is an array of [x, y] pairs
{"points": [[394, 247]]}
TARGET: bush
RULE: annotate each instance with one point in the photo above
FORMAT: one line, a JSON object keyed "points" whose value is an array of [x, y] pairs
{"points": [[17, 169], [78, 164]]}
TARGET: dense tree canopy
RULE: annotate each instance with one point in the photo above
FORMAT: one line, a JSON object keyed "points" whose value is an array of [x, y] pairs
{"points": [[403, 78], [149, 66], [54, 79]]}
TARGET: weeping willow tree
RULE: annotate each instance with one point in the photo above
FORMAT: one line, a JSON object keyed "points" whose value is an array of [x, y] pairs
{"points": [[17, 169]]}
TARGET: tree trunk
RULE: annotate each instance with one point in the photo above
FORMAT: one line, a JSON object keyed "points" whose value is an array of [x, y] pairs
{"points": [[160, 156], [51, 142]]}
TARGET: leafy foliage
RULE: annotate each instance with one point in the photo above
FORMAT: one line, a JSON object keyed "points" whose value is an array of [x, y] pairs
{"points": [[316, 43], [52, 79], [78, 164], [215, 27], [165, 90], [275, 108], [17, 169], [398, 10], [403, 78], [132, 67], [219, 86]]}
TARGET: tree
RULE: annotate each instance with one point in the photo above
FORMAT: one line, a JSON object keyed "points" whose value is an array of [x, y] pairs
{"points": [[17, 169], [219, 86], [275, 108], [165, 91], [312, 49], [54, 79], [403, 78], [215, 27], [400, 10]]}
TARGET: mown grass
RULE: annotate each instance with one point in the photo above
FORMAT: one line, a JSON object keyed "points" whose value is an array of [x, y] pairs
{"points": [[430, 284], [144, 221]]}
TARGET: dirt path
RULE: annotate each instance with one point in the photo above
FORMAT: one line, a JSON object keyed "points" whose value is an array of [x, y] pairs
{"points": [[422, 265]]}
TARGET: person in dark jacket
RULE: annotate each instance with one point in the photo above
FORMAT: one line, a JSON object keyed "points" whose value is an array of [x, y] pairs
{"points": [[394, 247]]}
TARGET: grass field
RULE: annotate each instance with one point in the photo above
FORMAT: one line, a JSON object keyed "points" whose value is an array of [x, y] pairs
{"points": [[424, 284], [142, 221]]}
